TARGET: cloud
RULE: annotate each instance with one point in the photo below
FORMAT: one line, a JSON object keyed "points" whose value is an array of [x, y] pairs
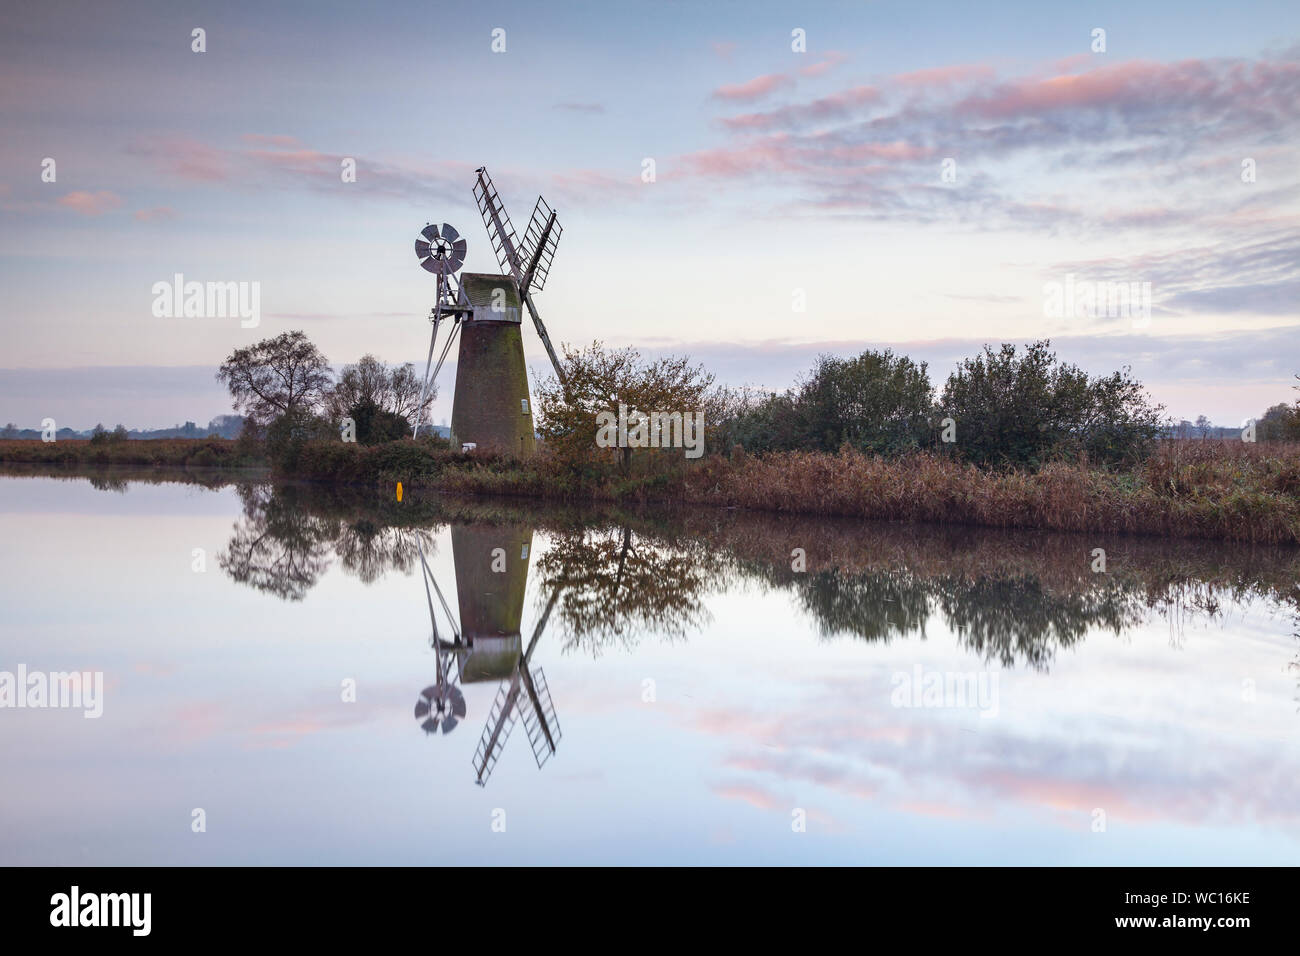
{"points": [[156, 214], [187, 159], [943, 76], [754, 89], [823, 108], [754, 796], [1258, 274], [723, 48], [580, 107], [91, 204], [1073, 153], [827, 62], [271, 139]]}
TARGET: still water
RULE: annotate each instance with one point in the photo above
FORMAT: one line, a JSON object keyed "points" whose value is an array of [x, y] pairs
{"points": [[630, 686]]}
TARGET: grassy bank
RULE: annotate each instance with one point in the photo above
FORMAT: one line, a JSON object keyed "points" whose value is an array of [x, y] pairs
{"points": [[171, 452], [1226, 490]]}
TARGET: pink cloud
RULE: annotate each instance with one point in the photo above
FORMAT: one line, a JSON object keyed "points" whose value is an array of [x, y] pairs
{"points": [[187, 159], [754, 796], [1106, 86], [823, 108], [771, 153], [941, 76], [723, 48], [828, 61], [753, 89], [156, 214], [91, 204], [274, 139], [1206, 86], [897, 151]]}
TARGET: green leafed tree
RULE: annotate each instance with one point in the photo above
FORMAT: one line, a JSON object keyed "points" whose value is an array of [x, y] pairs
{"points": [[876, 402], [1022, 409]]}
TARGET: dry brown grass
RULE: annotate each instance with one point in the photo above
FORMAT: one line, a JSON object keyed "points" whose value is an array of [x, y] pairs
{"points": [[1215, 490], [1226, 490]]}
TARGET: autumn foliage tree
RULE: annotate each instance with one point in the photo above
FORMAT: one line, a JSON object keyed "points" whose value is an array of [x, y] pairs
{"points": [[600, 380]]}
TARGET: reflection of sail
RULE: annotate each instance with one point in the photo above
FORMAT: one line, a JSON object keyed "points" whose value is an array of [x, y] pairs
{"points": [[527, 696]]}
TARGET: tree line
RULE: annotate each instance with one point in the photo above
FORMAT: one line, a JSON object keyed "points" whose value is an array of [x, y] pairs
{"points": [[1005, 407], [289, 394]]}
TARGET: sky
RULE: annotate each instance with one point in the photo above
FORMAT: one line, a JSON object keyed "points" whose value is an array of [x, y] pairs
{"points": [[917, 176]]}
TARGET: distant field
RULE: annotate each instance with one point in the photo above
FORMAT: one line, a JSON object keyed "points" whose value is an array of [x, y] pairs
{"points": [[205, 453]]}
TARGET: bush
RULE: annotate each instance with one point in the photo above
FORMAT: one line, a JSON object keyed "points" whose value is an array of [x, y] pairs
{"points": [[1025, 410], [877, 402], [290, 433], [376, 425]]}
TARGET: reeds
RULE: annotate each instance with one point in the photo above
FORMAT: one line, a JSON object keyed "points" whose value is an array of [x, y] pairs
{"points": [[1224, 490]]}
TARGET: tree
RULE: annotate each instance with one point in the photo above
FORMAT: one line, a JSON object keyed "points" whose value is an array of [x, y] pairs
{"points": [[275, 377], [600, 380], [1023, 410], [1279, 423], [1202, 425], [382, 400], [877, 402]]}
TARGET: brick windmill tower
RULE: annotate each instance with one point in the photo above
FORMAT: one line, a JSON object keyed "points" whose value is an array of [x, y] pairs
{"points": [[491, 408]]}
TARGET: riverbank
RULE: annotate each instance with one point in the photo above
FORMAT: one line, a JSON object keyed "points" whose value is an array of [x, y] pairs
{"points": [[1224, 490], [169, 452]]}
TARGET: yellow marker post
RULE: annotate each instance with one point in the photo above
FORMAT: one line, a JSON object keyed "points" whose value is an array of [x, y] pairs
{"points": [[399, 491]]}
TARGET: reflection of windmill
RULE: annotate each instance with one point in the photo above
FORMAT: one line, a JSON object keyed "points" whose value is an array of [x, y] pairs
{"points": [[442, 703], [491, 577], [491, 564], [491, 405]]}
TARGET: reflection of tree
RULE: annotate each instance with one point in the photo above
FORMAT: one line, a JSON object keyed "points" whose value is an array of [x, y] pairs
{"points": [[370, 550], [1007, 618], [614, 586], [1013, 597], [1017, 619], [873, 606], [288, 536], [106, 483], [278, 546]]}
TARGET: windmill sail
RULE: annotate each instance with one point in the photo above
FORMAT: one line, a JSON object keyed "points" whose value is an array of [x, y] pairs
{"points": [[502, 234], [501, 720], [538, 714], [540, 239], [505, 243], [525, 696]]}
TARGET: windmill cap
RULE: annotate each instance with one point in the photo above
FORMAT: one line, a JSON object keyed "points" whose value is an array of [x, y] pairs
{"points": [[494, 298]]}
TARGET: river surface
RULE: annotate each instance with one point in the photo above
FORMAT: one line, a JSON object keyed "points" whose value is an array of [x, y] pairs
{"points": [[633, 687]]}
